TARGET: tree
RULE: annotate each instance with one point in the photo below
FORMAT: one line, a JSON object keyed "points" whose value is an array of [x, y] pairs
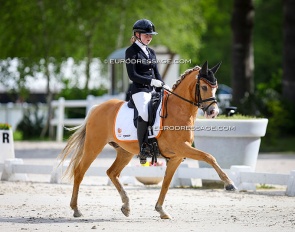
{"points": [[242, 49], [288, 83], [268, 43], [45, 32], [85, 29], [216, 40]]}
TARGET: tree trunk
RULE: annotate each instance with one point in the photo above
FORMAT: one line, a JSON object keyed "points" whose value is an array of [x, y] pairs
{"points": [[45, 42], [242, 49], [89, 47], [49, 97], [288, 83]]}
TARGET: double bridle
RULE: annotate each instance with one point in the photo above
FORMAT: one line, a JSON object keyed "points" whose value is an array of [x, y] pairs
{"points": [[198, 102]]}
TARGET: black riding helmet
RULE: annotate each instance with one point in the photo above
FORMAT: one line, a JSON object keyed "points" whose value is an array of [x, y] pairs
{"points": [[144, 26]]}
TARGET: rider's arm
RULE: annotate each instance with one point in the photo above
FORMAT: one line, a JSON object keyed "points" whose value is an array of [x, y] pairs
{"points": [[131, 62]]}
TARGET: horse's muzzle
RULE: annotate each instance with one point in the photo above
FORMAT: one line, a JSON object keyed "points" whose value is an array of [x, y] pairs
{"points": [[212, 111]]}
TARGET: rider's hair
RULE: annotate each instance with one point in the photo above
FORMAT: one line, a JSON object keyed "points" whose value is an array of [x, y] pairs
{"points": [[132, 39]]}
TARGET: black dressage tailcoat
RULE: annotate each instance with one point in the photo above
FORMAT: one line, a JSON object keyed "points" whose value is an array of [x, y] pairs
{"points": [[141, 69]]}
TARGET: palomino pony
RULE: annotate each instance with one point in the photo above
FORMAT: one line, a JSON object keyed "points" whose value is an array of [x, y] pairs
{"points": [[195, 89]]}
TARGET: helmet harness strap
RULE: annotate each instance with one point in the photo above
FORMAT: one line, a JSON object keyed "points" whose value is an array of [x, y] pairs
{"points": [[139, 38]]}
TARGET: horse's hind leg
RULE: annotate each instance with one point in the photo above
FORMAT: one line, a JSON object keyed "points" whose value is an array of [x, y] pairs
{"points": [[90, 152], [123, 158]]}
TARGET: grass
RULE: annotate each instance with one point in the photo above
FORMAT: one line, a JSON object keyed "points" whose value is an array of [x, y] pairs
{"points": [[17, 135], [235, 116], [265, 186]]}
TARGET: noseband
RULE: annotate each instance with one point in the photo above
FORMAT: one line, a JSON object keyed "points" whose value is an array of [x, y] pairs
{"points": [[198, 99]]}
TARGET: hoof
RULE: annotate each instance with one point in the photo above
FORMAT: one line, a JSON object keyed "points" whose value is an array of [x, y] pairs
{"points": [[163, 214], [230, 187], [125, 211], [77, 213], [166, 216]]}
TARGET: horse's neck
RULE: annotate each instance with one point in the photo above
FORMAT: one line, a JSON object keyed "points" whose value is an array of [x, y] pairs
{"points": [[180, 110]]}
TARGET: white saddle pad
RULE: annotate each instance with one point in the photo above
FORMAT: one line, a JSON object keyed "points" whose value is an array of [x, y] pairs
{"points": [[125, 130]]}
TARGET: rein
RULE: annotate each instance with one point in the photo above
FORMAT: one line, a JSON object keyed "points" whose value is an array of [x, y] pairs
{"points": [[194, 103], [182, 98]]}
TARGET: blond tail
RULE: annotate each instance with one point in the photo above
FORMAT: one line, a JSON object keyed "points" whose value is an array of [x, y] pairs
{"points": [[74, 147]]}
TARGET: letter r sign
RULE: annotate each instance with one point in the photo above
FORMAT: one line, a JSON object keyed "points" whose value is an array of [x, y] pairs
{"points": [[6, 145], [5, 137]]}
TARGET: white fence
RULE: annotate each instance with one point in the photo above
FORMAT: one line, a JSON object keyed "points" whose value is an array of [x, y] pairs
{"points": [[60, 120], [244, 179]]}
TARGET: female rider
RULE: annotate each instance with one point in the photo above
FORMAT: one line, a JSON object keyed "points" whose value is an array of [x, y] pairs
{"points": [[143, 72]]}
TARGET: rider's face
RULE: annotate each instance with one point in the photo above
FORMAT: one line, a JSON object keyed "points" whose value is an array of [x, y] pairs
{"points": [[146, 38]]}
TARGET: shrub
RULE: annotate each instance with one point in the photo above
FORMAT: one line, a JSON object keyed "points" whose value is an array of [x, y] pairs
{"points": [[32, 124], [4, 126]]}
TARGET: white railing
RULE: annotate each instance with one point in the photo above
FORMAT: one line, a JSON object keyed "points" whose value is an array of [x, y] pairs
{"points": [[242, 176], [60, 121]]}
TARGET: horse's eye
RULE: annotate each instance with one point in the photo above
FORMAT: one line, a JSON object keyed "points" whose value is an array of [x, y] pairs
{"points": [[204, 87]]}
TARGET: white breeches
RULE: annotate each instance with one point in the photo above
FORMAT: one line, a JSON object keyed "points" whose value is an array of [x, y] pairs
{"points": [[141, 100]]}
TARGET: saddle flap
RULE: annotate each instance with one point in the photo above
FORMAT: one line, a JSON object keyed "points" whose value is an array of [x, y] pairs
{"points": [[153, 106]]}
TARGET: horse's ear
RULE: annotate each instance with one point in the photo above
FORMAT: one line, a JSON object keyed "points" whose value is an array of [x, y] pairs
{"points": [[204, 69], [216, 67]]}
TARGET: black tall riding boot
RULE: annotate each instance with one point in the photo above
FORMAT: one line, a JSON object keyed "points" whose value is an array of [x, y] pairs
{"points": [[142, 135]]}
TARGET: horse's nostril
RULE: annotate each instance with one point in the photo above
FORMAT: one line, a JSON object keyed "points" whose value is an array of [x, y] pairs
{"points": [[212, 111]]}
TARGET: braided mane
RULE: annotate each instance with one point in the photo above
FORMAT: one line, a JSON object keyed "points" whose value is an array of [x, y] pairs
{"points": [[196, 68]]}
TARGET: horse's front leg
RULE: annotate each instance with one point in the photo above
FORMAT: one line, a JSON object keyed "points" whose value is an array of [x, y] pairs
{"points": [[172, 165], [196, 154]]}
